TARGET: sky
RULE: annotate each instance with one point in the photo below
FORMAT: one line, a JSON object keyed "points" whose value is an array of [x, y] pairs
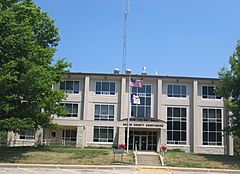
{"points": [[169, 37]]}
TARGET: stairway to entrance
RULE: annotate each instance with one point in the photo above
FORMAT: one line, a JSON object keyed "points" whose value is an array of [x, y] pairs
{"points": [[148, 158]]}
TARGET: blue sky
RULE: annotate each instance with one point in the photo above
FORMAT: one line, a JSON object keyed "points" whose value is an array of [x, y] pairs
{"points": [[170, 37]]}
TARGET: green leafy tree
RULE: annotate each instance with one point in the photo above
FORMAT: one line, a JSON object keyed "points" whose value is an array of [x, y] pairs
{"points": [[229, 88], [28, 40]]}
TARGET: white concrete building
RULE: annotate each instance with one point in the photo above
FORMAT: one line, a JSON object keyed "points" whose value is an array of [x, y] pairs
{"points": [[180, 112]]}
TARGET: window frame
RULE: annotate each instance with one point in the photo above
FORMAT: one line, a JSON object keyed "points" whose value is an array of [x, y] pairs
{"points": [[177, 120], [215, 143], [71, 113], [215, 96], [101, 114], [99, 139], [103, 93], [144, 106], [73, 90], [173, 95]]}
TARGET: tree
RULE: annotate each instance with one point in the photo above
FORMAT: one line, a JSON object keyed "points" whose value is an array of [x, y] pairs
{"points": [[229, 88], [28, 40]]}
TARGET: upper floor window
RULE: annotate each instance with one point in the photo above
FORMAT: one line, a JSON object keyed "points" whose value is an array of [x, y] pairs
{"points": [[105, 88], [142, 109], [104, 112], [70, 86], [176, 90], [208, 92], [72, 109], [212, 126]]}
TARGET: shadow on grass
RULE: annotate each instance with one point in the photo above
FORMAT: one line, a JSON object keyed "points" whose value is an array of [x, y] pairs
{"points": [[231, 161]]}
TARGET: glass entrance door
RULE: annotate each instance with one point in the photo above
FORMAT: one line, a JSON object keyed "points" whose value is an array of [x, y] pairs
{"points": [[140, 142]]}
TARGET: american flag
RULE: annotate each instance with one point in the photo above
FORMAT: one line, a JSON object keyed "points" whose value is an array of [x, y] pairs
{"points": [[136, 83]]}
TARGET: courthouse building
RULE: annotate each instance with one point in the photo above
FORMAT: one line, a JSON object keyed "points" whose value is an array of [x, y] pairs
{"points": [[180, 112]]}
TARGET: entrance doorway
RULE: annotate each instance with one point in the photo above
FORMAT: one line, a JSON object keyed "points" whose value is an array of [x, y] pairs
{"points": [[142, 140]]}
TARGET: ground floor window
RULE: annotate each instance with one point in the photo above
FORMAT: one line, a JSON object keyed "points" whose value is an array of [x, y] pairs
{"points": [[27, 134], [212, 126], [142, 140], [176, 125], [69, 135], [103, 134]]}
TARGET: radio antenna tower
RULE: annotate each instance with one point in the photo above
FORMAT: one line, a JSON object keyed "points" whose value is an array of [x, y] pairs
{"points": [[124, 56]]}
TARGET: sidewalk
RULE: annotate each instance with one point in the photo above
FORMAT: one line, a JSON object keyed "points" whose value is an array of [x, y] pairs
{"points": [[119, 167]]}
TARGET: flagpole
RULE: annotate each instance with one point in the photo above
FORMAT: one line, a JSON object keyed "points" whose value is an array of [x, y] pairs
{"points": [[129, 110]]}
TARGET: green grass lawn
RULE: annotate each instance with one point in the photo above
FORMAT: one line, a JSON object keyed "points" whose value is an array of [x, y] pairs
{"points": [[61, 155], [181, 159]]}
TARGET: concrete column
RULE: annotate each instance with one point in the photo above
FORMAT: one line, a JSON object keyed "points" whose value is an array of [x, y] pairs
{"points": [[121, 135], [124, 99], [159, 100], [162, 138], [85, 99], [193, 120], [80, 136]]}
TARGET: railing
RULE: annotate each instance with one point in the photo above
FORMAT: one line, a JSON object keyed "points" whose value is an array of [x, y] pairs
{"points": [[58, 142]]}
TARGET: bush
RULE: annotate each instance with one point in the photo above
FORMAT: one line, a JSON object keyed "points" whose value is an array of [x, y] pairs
{"points": [[3, 137], [236, 141]]}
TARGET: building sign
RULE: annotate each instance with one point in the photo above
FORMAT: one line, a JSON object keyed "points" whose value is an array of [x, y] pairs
{"points": [[151, 125]]}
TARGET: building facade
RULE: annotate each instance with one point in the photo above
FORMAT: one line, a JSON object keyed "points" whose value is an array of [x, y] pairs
{"points": [[180, 112]]}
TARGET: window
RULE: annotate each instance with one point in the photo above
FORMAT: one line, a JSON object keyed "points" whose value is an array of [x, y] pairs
{"points": [[176, 125], [144, 108], [70, 86], [105, 88], [69, 135], [104, 112], [27, 134], [174, 90], [72, 109], [208, 92], [212, 127], [103, 134]]}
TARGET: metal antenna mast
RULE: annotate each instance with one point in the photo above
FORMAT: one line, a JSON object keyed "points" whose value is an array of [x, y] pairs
{"points": [[124, 56]]}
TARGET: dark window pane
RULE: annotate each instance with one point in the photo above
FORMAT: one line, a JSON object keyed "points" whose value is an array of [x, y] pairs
{"points": [[62, 85], [169, 91], [69, 86], [205, 126], [204, 91], [148, 89], [148, 101], [105, 86], [169, 125], [183, 136], [205, 136], [212, 127], [176, 136], [176, 112], [183, 112], [183, 126], [169, 135], [176, 90], [212, 136], [98, 86], [140, 112], [169, 112], [212, 113], [76, 87], [205, 113], [176, 125], [184, 91]]}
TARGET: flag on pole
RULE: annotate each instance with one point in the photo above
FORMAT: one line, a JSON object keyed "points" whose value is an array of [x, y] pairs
{"points": [[136, 83], [135, 99]]}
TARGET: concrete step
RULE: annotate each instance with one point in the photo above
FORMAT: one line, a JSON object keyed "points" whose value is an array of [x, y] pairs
{"points": [[145, 159]]}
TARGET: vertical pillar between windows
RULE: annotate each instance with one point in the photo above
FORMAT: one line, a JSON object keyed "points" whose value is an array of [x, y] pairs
{"points": [[160, 115], [85, 99], [123, 108], [80, 136], [194, 119]]}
